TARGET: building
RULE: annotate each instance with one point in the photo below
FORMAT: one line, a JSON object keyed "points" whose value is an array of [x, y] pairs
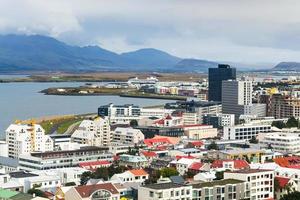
{"points": [[261, 182], [199, 107], [134, 175], [93, 132], [165, 191], [237, 99], [61, 159], [219, 120], [221, 189], [135, 162], [250, 154], [198, 131], [244, 131], [283, 142], [284, 106], [190, 118], [215, 78], [128, 136], [154, 112], [105, 191], [151, 131], [27, 138], [120, 114]]}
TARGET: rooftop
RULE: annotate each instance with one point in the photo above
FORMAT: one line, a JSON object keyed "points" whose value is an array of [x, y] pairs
{"points": [[86, 190], [162, 186], [250, 171], [21, 174], [215, 183]]}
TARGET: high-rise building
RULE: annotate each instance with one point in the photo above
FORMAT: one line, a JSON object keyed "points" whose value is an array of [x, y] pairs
{"points": [[215, 78], [237, 99], [26, 139]]}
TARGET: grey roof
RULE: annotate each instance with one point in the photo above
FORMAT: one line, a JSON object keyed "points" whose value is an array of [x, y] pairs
{"points": [[21, 174], [177, 179], [161, 186], [11, 162], [217, 183]]}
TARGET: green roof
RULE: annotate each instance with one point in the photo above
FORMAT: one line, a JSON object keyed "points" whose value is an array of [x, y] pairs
{"points": [[216, 183], [5, 194]]}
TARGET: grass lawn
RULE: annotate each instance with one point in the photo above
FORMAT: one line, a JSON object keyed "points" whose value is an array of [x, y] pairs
{"points": [[60, 125]]}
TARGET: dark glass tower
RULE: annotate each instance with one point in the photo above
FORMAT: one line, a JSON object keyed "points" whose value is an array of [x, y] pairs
{"points": [[215, 78]]}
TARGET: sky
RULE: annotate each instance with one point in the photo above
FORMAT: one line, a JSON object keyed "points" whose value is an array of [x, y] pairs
{"points": [[243, 31]]}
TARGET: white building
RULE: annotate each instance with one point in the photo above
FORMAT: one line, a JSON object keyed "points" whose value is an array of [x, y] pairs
{"points": [[27, 138], [244, 131], [283, 142], [128, 135], [120, 114], [93, 132], [190, 118], [261, 182], [154, 112], [198, 131], [165, 191], [134, 175]]}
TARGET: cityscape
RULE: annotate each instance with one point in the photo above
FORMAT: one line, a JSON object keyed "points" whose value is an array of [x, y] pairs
{"points": [[81, 122]]}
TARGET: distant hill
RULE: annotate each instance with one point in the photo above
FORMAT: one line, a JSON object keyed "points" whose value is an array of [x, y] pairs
{"points": [[42, 53], [194, 65], [287, 66]]}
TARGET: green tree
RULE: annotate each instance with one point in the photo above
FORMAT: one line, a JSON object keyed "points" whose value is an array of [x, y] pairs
{"points": [[85, 177], [291, 196], [37, 192], [292, 122], [70, 184], [219, 175], [168, 171], [101, 173], [213, 145], [133, 123], [278, 124]]}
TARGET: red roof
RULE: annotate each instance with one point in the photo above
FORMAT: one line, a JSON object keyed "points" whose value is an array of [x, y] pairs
{"points": [[86, 191], [93, 163], [154, 141], [238, 164], [197, 143], [290, 162], [160, 121], [196, 166], [168, 117], [149, 153], [282, 181], [188, 157]]}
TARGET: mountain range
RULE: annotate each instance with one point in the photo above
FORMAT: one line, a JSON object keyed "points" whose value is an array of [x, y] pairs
{"points": [[287, 66], [42, 53]]}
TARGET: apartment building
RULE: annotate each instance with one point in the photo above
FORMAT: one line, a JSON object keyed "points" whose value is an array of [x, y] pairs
{"points": [[165, 191], [222, 189], [93, 132], [127, 135], [244, 131], [283, 142], [120, 114], [61, 159], [219, 120], [284, 106], [27, 138], [261, 182]]}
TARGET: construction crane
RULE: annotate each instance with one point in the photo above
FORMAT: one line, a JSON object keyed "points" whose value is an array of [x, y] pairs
{"points": [[32, 123]]}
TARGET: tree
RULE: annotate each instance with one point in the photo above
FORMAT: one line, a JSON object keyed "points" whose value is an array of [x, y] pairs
{"points": [[213, 145], [37, 192], [278, 124], [168, 171], [85, 177], [70, 184], [253, 140], [133, 123], [101, 173], [292, 122], [219, 175], [291, 196], [190, 174]]}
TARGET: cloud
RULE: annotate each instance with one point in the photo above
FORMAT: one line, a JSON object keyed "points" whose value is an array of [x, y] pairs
{"points": [[249, 31]]}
